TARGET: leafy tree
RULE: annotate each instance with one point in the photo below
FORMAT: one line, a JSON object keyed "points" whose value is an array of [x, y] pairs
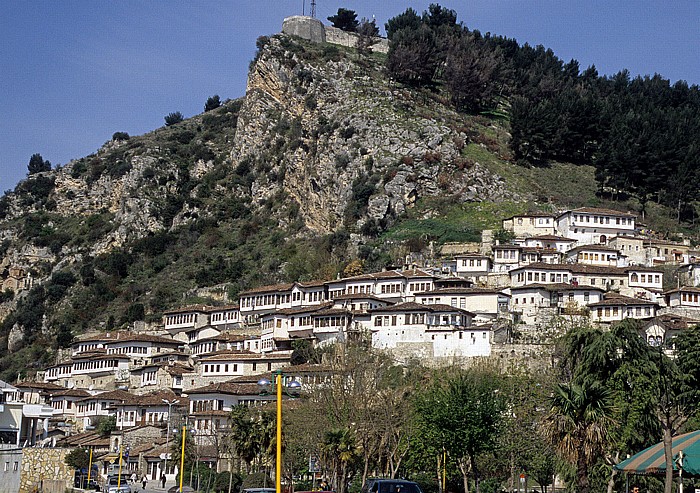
{"points": [[120, 136], [106, 425], [135, 312], [470, 74], [173, 118], [412, 57], [408, 20], [64, 336], [462, 411], [212, 103], [78, 458], [438, 16], [367, 31], [345, 19], [37, 164]]}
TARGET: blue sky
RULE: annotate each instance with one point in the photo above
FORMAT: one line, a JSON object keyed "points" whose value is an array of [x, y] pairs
{"points": [[73, 72]]}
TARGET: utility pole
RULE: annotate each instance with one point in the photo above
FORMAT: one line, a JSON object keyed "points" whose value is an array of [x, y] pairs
{"points": [[313, 8]]}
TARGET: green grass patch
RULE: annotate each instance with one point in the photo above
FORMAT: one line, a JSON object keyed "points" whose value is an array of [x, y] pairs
{"points": [[434, 220]]}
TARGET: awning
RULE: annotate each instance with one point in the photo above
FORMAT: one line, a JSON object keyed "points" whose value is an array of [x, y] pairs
{"points": [[651, 460]]}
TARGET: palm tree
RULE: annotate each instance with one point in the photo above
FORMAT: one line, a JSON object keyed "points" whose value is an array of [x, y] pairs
{"points": [[577, 425], [340, 450], [242, 437]]}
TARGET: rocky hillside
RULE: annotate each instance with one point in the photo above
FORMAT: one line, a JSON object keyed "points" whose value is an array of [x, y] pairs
{"points": [[324, 161]]}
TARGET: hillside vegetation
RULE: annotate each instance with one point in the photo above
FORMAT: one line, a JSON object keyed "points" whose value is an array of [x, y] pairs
{"points": [[332, 156]]}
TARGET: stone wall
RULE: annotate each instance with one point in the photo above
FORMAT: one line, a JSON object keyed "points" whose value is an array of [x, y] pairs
{"points": [[312, 29], [344, 38], [304, 27], [533, 356], [45, 469]]}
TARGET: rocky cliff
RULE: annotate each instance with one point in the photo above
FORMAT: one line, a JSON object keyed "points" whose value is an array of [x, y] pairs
{"points": [[322, 155], [321, 119]]}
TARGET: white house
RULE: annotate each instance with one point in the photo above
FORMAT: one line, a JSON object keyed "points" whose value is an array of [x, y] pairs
{"points": [[530, 224], [225, 317], [614, 308], [428, 331], [593, 254], [533, 303], [185, 319], [684, 297], [506, 257], [554, 242], [593, 225], [472, 265], [485, 304]]}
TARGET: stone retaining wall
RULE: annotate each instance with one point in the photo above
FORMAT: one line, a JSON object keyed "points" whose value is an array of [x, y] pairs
{"points": [[45, 469]]}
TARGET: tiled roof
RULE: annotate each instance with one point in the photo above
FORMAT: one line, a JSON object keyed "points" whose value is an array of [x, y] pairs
{"points": [[331, 311], [683, 289], [557, 286], [187, 309], [673, 322], [419, 307], [297, 310], [465, 291], [531, 214], [244, 356], [126, 336], [112, 395], [603, 212], [360, 296], [94, 355], [42, 386], [594, 247], [70, 393], [551, 238], [619, 300], [228, 387], [272, 288], [223, 308], [311, 284]]}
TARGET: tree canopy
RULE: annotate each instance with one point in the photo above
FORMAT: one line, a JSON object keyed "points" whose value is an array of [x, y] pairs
{"points": [[345, 19]]}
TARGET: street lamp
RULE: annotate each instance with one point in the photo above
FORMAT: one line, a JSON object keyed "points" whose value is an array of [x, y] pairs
{"points": [[167, 434], [292, 390]]}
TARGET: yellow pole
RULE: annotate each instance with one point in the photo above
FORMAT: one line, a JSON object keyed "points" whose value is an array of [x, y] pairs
{"points": [[90, 467], [444, 468], [119, 478], [182, 455], [278, 464]]}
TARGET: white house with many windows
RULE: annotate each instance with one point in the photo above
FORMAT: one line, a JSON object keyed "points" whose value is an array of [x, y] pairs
{"points": [[614, 308], [485, 304], [537, 303], [589, 225], [428, 331]]}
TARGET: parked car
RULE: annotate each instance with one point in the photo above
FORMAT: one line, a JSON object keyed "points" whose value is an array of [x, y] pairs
{"points": [[380, 485], [113, 485]]}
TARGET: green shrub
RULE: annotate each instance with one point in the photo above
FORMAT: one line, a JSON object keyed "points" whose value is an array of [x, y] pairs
{"points": [[212, 103], [120, 136], [173, 118], [37, 164]]}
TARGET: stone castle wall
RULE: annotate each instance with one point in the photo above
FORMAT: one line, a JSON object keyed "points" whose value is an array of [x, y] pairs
{"points": [[343, 38], [313, 29]]}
